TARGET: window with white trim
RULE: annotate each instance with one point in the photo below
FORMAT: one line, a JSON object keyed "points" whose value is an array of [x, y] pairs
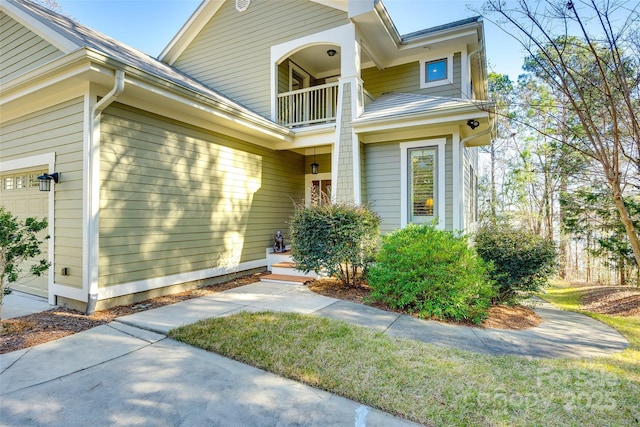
{"points": [[422, 195], [436, 72]]}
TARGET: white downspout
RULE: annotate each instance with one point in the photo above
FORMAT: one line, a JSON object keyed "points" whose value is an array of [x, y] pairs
{"points": [[93, 190]]}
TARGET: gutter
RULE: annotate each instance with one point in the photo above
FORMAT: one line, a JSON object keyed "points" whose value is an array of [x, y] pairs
{"points": [[489, 130], [93, 190]]}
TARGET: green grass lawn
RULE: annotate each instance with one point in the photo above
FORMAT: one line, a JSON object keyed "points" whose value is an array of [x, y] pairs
{"points": [[431, 385]]}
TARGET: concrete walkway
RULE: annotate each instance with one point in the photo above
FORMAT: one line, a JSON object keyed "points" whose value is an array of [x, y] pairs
{"points": [[18, 304], [128, 372]]}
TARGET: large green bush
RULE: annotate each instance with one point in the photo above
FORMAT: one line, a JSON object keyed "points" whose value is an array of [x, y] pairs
{"points": [[337, 239], [432, 273], [522, 261], [19, 242]]}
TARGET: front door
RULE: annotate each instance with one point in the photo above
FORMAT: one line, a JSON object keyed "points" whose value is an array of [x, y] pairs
{"points": [[318, 189]]}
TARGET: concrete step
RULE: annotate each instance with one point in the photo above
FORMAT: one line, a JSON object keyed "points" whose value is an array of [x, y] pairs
{"points": [[285, 279], [288, 268]]}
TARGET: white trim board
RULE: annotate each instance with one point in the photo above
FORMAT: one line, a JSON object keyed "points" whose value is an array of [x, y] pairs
{"points": [[176, 279]]}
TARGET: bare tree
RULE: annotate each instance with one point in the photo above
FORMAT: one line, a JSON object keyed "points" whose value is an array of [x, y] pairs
{"points": [[596, 73]]}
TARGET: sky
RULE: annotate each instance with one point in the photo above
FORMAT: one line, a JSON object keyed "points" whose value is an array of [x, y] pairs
{"points": [[149, 25]]}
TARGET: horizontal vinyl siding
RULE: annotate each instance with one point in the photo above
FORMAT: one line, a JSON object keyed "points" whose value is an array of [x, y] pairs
{"points": [[406, 79], [232, 52], [21, 50], [383, 183], [177, 199], [57, 129]]}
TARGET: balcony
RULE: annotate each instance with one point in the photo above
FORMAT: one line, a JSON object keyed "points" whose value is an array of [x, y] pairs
{"points": [[304, 107]]}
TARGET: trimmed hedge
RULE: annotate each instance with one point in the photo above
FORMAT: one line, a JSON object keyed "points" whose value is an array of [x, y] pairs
{"points": [[337, 239], [522, 261], [432, 273]]}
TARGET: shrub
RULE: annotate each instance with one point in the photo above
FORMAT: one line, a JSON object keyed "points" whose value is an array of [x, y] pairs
{"points": [[337, 239], [522, 261], [18, 242], [432, 273]]}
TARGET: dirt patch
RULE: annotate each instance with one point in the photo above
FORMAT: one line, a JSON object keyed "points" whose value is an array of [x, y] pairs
{"points": [[39, 328], [500, 317], [617, 300]]}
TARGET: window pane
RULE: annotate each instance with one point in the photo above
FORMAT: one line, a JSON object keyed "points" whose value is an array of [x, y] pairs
{"points": [[7, 183], [436, 70], [422, 183]]}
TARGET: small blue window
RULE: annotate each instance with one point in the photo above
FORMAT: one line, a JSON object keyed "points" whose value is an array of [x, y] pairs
{"points": [[435, 70]]}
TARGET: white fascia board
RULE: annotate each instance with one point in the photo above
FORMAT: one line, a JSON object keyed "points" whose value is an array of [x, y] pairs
{"points": [[313, 137], [228, 115], [190, 30], [342, 5], [412, 121], [41, 29], [444, 38]]}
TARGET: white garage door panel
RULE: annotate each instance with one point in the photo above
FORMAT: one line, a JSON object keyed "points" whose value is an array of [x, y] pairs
{"points": [[19, 194]]}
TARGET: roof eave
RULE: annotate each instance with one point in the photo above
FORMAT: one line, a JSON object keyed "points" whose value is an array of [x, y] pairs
{"points": [[232, 112]]}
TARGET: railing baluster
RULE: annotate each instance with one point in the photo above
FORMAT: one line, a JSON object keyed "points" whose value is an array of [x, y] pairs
{"points": [[308, 106]]}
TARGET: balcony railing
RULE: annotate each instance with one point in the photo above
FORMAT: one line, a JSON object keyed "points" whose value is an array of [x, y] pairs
{"points": [[308, 106]]}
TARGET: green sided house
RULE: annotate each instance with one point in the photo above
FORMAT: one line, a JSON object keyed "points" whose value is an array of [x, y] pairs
{"points": [[177, 170]]}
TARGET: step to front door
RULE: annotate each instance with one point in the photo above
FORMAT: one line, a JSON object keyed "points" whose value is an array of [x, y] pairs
{"points": [[286, 279]]}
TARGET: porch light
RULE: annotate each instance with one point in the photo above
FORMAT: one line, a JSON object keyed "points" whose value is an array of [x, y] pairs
{"points": [[331, 52], [314, 165], [45, 180], [473, 123]]}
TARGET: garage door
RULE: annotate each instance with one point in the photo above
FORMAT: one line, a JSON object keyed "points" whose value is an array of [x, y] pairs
{"points": [[19, 194]]}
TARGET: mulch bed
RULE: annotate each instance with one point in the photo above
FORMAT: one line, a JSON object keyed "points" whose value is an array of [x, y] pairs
{"points": [[500, 317], [34, 329]]}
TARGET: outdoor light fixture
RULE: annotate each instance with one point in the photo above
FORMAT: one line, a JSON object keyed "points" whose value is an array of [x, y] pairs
{"points": [[45, 180], [331, 52], [314, 165], [473, 123]]}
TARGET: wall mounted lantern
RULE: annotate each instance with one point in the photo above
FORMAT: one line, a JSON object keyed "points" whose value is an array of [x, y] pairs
{"points": [[45, 180], [473, 123], [314, 165]]}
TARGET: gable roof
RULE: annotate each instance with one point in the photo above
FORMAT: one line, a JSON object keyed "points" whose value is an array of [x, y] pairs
{"points": [[70, 35]]}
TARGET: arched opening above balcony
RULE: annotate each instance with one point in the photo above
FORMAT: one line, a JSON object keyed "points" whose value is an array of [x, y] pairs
{"points": [[307, 85]]}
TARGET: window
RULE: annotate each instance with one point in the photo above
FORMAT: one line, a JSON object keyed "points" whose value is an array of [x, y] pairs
{"points": [[436, 72], [422, 183], [7, 183], [422, 187]]}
